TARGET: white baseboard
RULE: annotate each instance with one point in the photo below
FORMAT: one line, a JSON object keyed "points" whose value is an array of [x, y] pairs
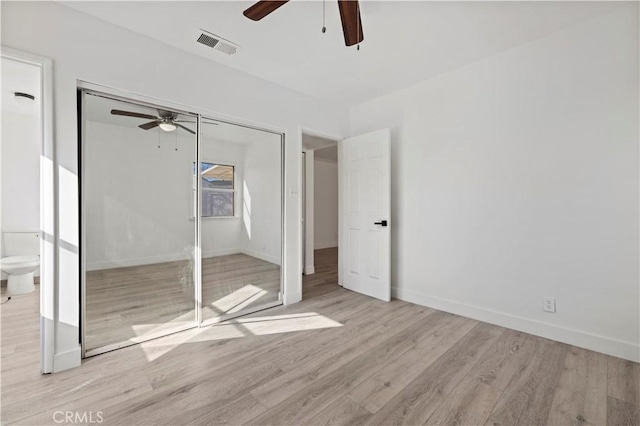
{"points": [[110, 264], [597, 343], [150, 260], [66, 360], [320, 246], [260, 255], [121, 263], [221, 252], [309, 270], [292, 298]]}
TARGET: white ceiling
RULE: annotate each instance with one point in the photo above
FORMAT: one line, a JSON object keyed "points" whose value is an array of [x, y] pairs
{"points": [[405, 42], [20, 77]]}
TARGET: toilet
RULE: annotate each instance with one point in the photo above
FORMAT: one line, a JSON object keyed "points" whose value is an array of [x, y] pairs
{"points": [[22, 260]]}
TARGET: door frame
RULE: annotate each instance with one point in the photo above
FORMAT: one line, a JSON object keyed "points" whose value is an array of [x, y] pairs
{"points": [[308, 205], [200, 113], [48, 206]]}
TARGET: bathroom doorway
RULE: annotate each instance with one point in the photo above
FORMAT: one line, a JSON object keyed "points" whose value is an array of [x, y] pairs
{"points": [[27, 201]]}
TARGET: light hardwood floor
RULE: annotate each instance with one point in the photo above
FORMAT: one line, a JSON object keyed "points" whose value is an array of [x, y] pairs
{"points": [[336, 358], [138, 301]]}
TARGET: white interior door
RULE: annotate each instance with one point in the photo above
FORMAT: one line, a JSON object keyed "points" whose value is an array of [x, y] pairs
{"points": [[365, 215]]}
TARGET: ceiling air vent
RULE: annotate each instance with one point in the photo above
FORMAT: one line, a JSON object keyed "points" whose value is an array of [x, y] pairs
{"points": [[217, 43]]}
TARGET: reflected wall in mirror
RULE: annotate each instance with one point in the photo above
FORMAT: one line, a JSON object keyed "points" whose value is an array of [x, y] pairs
{"points": [[138, 225], [241, 225], [143, 183]]}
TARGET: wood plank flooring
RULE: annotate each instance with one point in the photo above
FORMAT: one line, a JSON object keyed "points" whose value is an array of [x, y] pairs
{"points": [[137, 301], [337, 358]]}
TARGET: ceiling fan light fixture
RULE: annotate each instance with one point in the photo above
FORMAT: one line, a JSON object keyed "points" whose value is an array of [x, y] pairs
{"points": [[168, 127]]}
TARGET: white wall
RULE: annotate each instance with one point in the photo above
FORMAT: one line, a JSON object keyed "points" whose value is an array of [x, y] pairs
{"points": [[20, 171], [262, 200], [138, 197], [86, 48], [516, 178], [325, 181], [221, 236]]}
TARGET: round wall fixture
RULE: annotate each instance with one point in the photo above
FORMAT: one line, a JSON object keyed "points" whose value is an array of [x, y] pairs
{"points": [[24, 98]]}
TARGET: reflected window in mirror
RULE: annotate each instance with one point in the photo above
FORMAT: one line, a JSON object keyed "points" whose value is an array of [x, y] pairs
{"points": [[218, 189]]}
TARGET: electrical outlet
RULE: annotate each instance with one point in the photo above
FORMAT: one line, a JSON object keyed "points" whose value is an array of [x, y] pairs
{"points": [[549, 304]]}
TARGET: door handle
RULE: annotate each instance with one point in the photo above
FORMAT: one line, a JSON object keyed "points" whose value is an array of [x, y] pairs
{"points": [[382, 223]]}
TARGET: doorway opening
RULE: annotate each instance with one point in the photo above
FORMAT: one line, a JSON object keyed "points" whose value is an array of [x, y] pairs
{"points": [[27, 227], [363, 211], [320, 217]]}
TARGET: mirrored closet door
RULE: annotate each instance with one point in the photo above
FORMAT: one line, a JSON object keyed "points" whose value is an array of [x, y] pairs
{"points": [[139, 241], [241, 219], [181, 221]]}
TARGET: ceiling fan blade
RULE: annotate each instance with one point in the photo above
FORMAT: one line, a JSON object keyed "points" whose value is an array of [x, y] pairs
{"points": [[150, 125], [185, 128], [351, 22], [133, 114], [262, 9]]}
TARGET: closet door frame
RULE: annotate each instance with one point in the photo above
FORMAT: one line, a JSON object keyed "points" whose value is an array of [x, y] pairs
{"points": [[83, 88]]}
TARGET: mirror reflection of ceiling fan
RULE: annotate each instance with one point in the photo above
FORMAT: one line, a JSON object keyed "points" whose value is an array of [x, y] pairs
{"points": [[349, 15], [166, 120]]}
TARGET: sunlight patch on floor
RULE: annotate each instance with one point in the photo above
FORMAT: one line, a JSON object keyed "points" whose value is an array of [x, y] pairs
{"points": [[154, 349], [286, 323], [239, 299], [241, 327], [143, 329]]}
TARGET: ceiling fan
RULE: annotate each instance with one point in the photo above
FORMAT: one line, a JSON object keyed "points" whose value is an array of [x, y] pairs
{"points": [[166, 120], [349, 15]]}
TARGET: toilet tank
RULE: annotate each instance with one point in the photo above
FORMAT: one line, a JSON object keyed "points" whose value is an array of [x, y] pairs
{"points": [[21, 243]]}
